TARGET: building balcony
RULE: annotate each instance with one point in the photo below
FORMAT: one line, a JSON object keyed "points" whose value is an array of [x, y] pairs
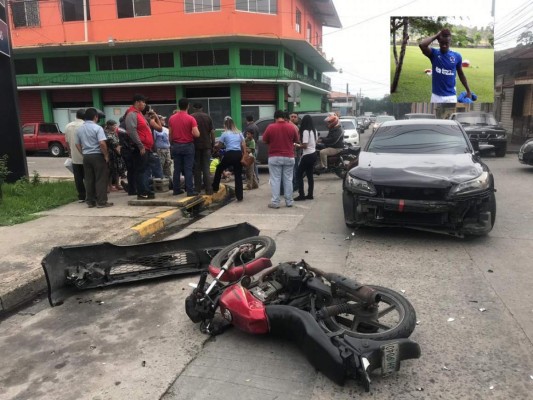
{"points": [[103, 78]]}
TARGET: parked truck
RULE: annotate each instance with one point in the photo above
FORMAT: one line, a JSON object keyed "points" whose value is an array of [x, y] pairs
{"points": [[44, 136]]}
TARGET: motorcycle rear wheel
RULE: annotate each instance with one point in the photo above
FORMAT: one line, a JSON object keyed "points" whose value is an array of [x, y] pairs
{"points": [[395, 318], [263, 247]]}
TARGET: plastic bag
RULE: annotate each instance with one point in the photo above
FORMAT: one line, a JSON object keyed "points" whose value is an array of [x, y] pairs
{"points": [[68, 165]]}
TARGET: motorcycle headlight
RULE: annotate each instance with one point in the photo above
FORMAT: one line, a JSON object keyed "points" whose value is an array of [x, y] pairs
{"points": [[479, 184], [360, 186]]}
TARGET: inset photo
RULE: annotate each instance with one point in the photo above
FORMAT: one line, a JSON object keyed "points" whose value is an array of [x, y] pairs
{"points": [[442, 59]]}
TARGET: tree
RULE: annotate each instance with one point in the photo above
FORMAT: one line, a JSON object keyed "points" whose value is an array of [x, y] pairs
{"points": [[460, 37], [477, 38], [525, 39], [404, 23]]}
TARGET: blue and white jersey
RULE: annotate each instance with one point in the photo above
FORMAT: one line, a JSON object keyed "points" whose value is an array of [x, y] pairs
{"points": [[444, 69]]}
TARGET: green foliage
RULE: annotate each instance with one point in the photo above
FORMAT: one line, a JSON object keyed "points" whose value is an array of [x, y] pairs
{"points": [[415, 85], [36, 178], [460, 38], [4, 172], [525, 38], [23, 199]]}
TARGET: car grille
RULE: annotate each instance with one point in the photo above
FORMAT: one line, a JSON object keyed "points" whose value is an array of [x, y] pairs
{"points": [[411, 193], [482, 135], [414, 218]]}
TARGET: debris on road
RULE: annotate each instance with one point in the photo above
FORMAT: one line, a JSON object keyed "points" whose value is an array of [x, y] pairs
{"points": [[451, 319]]}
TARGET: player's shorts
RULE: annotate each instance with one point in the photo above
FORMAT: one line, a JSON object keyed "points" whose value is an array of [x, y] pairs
{"points": [[435, 98]]}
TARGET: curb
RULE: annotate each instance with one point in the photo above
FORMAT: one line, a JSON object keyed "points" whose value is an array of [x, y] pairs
{"points": [[33, 283]]}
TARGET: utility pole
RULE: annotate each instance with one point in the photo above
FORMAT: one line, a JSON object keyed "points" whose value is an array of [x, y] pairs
{"points": [[347, 100], [11, 144]]}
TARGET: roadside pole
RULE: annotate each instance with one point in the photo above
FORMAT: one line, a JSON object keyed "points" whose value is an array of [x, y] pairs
{"points": [[11, 142]]}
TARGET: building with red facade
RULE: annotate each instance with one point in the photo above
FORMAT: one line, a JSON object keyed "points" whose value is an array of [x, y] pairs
{"points": [[233, 56]]}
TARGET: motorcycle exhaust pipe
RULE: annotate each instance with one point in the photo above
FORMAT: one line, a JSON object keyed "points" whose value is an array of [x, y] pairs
{"points": [[364, 293]]}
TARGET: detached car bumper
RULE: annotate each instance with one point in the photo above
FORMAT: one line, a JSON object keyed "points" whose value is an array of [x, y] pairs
{"points": [[469, 215]]}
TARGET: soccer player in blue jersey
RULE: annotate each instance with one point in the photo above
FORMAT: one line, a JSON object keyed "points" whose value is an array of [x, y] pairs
{"points": [[445, 65]]}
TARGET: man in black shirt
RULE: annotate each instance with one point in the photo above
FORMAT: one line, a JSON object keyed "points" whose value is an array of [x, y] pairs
{"points": [[203, 147]]}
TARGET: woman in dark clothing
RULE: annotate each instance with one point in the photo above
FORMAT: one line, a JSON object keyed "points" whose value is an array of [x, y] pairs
{"points": [[308, 159], [235, 147], [116, 164]]}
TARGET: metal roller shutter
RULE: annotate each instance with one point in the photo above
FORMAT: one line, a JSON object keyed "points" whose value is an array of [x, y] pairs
{"points": [[125, 95], [30, 106], [258, 92]]}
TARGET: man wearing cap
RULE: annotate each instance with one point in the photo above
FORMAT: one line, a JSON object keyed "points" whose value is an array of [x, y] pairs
{"points": [[446, 64], [74, 153], [182, 129], [140, 133], [334, 142]]}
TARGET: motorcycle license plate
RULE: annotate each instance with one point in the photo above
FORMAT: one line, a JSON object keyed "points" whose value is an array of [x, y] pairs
{"points": [[390, 362]]}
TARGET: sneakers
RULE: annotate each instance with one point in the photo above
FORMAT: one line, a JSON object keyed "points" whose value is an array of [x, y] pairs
{"points": [[190, 194], [309, 197], [81, 201], [178, 192], [148, 196], [300, 198], [288, 205], [105, 205], [271, 205], [91, 205]]}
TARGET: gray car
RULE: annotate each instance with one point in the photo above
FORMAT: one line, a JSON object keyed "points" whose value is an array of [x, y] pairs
{"points": [[421, 174]]}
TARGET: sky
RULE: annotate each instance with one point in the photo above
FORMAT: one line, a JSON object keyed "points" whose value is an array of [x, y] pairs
{"points": [[361, 47]]}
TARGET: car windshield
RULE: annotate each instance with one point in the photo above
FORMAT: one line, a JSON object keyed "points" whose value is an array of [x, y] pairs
{"points": [[418, 139], [476, 119], [383, 118], [347, 124]]}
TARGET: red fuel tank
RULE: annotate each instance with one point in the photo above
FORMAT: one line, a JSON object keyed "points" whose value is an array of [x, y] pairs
{"points": [[243, 310]]}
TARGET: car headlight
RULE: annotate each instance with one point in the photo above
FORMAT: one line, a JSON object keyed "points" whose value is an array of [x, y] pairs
{"points": [[528, 146], [360, 186], [479, 184]]}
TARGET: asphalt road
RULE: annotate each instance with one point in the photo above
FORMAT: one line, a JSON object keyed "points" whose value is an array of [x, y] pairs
{"points": [[136, 342]]}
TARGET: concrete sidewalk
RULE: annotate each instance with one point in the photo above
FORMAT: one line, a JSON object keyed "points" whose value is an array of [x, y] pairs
{"points": [[129, 221]]}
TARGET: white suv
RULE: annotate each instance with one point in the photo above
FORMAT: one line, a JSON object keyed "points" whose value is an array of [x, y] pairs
{"points": [[351, 136]]}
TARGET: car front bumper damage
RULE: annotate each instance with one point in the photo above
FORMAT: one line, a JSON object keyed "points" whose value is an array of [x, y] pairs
{"points": [[468, 215]]}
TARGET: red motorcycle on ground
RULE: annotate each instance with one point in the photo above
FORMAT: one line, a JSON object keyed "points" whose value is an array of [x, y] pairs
{"points": [[345, 329]]}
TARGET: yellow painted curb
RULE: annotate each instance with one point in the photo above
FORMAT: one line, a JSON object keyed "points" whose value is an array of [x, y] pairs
{"points": [[153, 225]]}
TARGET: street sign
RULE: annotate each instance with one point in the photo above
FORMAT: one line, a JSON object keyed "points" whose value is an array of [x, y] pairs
{"points": [[294, 90]]}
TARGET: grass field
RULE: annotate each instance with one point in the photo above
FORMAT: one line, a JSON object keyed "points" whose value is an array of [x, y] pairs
{"points": [[415, 85], [22, 199]]}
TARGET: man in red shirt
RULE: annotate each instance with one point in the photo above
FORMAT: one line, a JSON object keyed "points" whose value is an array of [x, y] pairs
{"points": [[280, 137], [182, 129], [141, 134]]}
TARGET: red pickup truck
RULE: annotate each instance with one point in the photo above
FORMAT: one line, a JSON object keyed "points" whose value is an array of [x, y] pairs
{"points": [[43, 136]]}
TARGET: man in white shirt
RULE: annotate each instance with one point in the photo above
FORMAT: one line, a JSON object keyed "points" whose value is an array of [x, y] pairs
{"points": [[74, 153]]}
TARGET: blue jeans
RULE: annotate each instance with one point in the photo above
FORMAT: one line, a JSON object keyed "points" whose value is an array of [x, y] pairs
{"points": [[281, 170], [154, 162], [183, 155]]}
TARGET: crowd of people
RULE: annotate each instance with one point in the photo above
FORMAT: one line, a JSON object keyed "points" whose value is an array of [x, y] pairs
{"points": [[143, 146]]}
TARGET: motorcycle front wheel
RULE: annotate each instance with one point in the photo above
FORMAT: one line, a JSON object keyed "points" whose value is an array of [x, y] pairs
{"points": [[252, 248], [393, 317]]}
